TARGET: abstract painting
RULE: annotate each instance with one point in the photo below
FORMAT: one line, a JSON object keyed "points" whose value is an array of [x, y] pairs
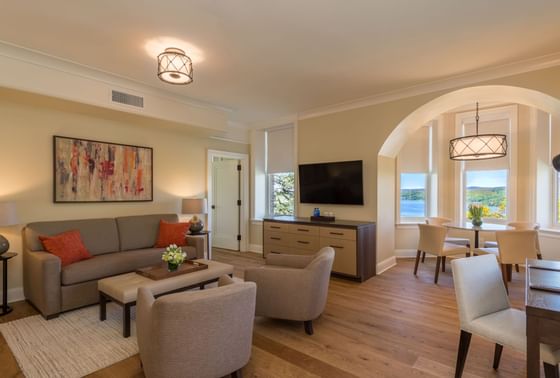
{"points": [[93, 171]]}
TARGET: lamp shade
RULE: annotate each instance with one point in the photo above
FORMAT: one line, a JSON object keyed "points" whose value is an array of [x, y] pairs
{"points": [[194, 206], [174, 67], [8, 215], [478, 147]]}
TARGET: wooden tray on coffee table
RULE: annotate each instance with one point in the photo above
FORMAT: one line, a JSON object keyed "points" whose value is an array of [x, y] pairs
{"points": [[160, 272]]}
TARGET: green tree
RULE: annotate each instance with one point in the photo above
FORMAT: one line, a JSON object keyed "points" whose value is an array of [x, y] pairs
{"points": [[283, 193]]}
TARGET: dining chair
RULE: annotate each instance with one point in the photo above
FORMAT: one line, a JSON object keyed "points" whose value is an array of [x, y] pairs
{"points": [[432, 241], [485, 310], [514, 247], [440, 221], [520, 225]]}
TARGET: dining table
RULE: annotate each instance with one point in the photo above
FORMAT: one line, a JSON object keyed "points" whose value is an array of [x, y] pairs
{"points": [[484, 227], [542, 306]]}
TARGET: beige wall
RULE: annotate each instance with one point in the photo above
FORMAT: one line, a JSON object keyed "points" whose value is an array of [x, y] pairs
{"points": [[27, 124], [360, 133]]}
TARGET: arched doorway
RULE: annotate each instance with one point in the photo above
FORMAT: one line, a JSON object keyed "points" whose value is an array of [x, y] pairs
{"points": [[412, 122]]}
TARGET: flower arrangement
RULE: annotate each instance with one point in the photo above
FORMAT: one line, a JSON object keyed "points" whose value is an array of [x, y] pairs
{"points": [[174, 256], [476, 210]]}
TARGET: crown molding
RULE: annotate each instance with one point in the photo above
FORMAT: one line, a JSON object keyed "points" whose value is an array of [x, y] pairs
{"points": [[461, 80], [276, 122], [41, 59]]}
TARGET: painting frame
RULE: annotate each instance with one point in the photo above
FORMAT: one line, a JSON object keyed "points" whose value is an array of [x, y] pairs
{"points": [[146, 174]]}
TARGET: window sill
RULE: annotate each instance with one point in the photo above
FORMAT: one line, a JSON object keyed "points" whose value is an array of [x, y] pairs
{"points": [[407, 225], [550, 232]]}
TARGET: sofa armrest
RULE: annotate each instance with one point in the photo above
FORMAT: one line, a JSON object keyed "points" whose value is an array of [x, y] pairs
{"points": [[197, 243], [41, 281], [144, 303], [292, 261]]}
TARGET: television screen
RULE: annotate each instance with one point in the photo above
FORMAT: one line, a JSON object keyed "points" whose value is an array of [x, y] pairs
{"points": [[332, 183]]}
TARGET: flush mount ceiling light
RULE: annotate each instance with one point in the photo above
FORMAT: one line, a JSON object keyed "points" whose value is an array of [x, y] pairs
{"points": [[174, 67], [479, 146]]}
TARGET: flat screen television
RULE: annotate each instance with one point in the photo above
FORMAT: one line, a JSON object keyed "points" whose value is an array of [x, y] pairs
{"points": [[338, 183]]}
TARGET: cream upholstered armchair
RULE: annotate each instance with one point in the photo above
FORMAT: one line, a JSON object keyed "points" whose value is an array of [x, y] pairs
{"points": [[205, 333], [293, 287], [484, 310]]}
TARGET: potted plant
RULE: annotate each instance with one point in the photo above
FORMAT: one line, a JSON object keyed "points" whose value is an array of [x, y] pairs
{"points": [[475, 213], [174, 256]]}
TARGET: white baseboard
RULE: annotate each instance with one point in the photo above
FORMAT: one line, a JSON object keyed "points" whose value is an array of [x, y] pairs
{"points": [[258, 248], [15, 294], [405, 253], [386, 265]]}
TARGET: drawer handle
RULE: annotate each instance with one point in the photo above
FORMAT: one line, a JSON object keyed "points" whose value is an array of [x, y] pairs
{"points": [[337, 246], [302, 242], [274, 238], [302, 229], [274, 226], [336, 233]]}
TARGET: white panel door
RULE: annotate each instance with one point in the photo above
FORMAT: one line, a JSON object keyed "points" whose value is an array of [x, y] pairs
{"points": [[224, 207]]}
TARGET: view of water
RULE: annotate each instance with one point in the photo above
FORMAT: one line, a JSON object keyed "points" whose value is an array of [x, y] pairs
{"points": [[412, 208]]}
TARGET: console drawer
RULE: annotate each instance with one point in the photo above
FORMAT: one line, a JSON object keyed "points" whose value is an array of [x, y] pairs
{"points": [[301, 229], [276, 226], [276, 238], [344, 255], [305, 242], [269, 248], [338, 233]]}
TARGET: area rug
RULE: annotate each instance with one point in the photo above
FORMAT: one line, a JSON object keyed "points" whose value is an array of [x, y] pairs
{"points": [[73, 345]]}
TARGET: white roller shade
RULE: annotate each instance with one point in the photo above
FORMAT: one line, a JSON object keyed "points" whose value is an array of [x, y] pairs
{"points": [[415, 154], [500, 126], [280, 150]]}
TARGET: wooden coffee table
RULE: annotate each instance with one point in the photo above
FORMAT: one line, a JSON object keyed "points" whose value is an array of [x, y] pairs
{"points": [[123, 288]]}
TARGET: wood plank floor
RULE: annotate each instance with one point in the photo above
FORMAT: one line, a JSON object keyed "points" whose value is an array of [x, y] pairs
{"points": [[393, 325]]}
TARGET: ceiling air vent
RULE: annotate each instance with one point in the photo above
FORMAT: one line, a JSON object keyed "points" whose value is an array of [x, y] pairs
{"points": [[127, 99]]}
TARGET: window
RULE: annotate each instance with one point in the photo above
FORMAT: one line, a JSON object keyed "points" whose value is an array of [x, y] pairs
{"points": [[488, 188], [281, 193], [413, 204], [280, 171], [489, 182]]}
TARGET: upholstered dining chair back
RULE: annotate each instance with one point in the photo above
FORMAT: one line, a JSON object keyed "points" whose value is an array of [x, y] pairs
{"points": [[522, 225], [517, 245], [478, 287], [432, 238], [206, 333], [438, 221]]}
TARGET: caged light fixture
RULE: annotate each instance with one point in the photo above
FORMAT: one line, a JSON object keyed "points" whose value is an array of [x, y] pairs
{"points": [[175, 67], [479, 146]]}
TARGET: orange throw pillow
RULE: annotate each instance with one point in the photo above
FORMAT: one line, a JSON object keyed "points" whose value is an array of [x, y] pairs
{"points": [[172, 233], [68, 246]]}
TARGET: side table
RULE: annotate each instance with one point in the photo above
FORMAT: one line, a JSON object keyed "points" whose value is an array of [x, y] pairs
{"points": [[5, 257], [207, 235]]}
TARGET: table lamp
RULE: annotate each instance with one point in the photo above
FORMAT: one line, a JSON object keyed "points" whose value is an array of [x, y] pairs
{"points": [[195, 206], [8, 217]]}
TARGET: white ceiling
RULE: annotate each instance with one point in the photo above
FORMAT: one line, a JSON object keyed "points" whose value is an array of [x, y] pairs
{"points": [[267, 59]]}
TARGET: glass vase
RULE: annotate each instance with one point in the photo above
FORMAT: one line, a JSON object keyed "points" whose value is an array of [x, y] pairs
{"points": [[172, 267], [476, 222]]}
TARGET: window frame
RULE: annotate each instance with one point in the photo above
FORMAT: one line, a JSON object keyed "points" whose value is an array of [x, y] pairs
{"points": [[270, 196], [427, 197], [508, 204], [510, 113]]}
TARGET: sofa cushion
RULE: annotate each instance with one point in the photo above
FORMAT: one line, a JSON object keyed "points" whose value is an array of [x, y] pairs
{"points": [[111, 264], [172, 233], [99, 235], [68, 246], [141, 231]]}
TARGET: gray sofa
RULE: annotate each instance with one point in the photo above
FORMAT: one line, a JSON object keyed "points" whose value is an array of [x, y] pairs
{"points": [[119, 245]]}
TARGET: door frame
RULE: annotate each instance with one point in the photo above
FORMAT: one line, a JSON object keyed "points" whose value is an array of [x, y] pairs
{"points": [[244, 194]]}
